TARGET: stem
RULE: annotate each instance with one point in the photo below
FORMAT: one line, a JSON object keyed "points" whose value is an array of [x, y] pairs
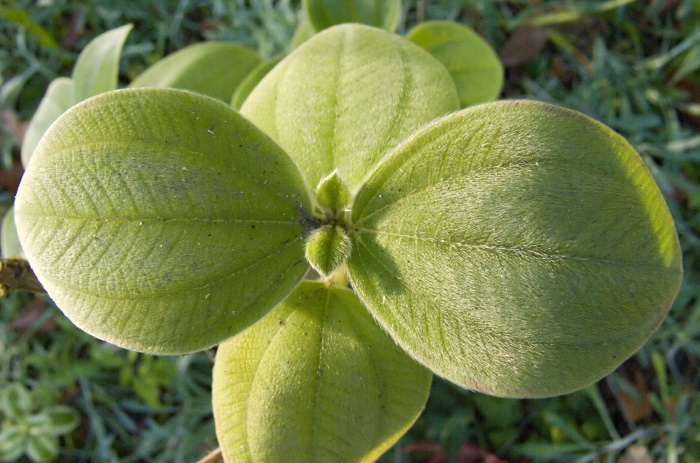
{"points": [[213, 457], [17, 275], [338, 278]]}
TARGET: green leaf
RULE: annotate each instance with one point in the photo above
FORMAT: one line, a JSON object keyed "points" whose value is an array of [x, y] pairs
{"points": [[328, 248], [323, 14], [58, 420], [56, 101], [15, 400], [12, 441], [304, 31], [42, 448], [251, 80], [472, 63], [347, 97], [97, 68], [316, 380], [9, 241], [515, 248], [161, 220], [24, 19], [211, 68], [332, 193]]}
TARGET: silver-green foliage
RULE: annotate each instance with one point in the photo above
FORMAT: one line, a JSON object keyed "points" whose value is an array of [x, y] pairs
{"points": [[514, 248], [27, 429]]}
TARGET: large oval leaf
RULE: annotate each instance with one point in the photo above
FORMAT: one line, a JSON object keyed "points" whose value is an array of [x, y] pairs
{"points": [[515, 248], [348, 96], [472, 63], [161, 220], [211, 68], [316, 380], [379, 13], [97, 68]]}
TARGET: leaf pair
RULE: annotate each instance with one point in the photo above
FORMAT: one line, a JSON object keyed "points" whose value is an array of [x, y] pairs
{"points": [[514, 248]]}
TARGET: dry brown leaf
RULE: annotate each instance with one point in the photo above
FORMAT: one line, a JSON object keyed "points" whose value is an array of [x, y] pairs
{"points": [[525, 44], [636, 408]]}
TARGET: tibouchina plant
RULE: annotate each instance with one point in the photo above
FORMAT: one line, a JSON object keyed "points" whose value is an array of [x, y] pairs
{"points": [[514, 248]]}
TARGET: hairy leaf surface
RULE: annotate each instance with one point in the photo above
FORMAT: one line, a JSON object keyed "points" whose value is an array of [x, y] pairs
{"points": [[323, 14], [348, 96], [212, 68], [161, 220], [472, 63], [328, 248], [316, 380], [515, 248]]}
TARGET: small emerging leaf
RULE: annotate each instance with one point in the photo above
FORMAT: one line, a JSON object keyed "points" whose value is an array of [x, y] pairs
{"points": [[56, 101], [97, 68], [332, 193], [323, 14], [316, 380], [211, 68], [515, 248], [161, 220], [472, 63], [348, 96], [328, 248]]}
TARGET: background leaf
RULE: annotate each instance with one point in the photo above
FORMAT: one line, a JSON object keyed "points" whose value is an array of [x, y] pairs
{"points": [[515, 248], [56, 101], [97, 68], [346, 97], [15, 400], [304, 31], [42, 448], [24, 19], [316, 380], [472, 63], [12, 441], [9, 241], [161, 220], [211, 68], [323, 14], [251, 80], [60, 419]]}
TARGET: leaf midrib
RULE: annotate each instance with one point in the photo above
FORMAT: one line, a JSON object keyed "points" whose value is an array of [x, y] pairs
{"points": [[165, 220], [493, 332], [421, 188], [229, 274], [500, 248]]}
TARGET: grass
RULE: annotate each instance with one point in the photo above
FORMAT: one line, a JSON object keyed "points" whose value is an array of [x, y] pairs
{"points": [[634, 65]]}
